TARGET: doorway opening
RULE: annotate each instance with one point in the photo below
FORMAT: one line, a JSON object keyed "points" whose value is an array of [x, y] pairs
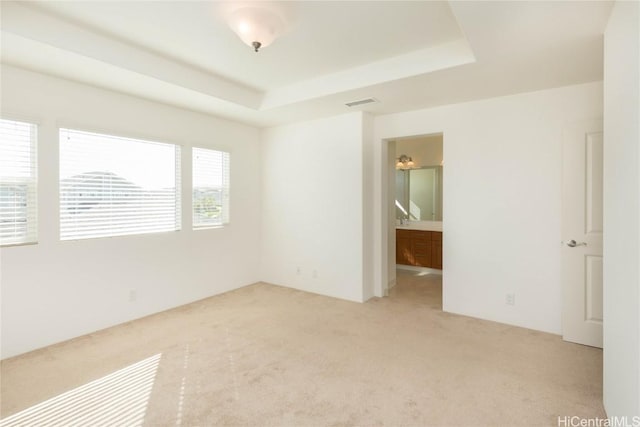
{"points": [[415, 199]]}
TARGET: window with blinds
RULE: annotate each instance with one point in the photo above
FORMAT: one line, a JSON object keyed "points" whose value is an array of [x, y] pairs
{"points": [[114, 186], [18, 183], [210, 188]]}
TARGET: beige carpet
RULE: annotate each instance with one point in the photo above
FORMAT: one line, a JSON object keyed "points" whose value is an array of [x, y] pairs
{"points": [[265, 355]]}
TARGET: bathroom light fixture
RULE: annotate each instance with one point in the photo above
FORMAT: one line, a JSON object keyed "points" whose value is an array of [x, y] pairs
{"points": [[404, 162], [256, 23]]}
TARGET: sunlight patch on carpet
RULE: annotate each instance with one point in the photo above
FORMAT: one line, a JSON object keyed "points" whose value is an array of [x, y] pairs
{"points": [[119, 398]]}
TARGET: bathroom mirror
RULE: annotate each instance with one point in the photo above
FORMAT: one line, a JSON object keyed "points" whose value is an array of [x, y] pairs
{"points": [[419, 194]]}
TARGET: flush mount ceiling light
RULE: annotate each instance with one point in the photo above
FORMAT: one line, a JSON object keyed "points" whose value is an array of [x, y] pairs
{"points": [[404, 162], [257, 24]]}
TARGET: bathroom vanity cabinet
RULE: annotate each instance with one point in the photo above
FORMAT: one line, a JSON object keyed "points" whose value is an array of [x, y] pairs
{"points": [[419, 248]]}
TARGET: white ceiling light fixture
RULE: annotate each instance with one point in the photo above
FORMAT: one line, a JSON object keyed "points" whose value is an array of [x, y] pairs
{"points": [[257, 24]]}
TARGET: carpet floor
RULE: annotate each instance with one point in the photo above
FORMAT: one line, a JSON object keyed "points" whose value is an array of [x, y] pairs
{"points": [[266, 355]]}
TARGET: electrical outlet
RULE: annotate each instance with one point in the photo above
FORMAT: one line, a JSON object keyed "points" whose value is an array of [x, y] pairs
{"points": [[511, 299], [133, 295], [298, 271]]}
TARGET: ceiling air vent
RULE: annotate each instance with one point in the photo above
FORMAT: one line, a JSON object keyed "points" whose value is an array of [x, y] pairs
{"points": [[361, 102]]}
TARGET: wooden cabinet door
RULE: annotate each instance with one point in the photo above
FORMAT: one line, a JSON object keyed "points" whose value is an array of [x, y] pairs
{"points": [[436, 255], [421, 248], [403, 248]]}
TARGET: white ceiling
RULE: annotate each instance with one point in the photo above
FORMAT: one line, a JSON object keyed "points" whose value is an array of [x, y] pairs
{"points": [[408, 55]]}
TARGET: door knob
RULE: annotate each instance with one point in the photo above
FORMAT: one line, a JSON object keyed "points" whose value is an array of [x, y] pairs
{"points": [[573, 243]]}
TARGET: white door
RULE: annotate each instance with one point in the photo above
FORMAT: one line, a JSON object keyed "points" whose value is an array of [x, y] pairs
{"points": [[582, 204]]}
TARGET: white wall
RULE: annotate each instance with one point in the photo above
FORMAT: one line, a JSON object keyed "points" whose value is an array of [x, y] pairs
{"points": [[622, 211], [56, 290], [312, 195], [501, 200]]}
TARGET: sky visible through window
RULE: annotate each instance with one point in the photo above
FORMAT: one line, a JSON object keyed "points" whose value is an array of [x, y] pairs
{"points": [[208, 168]]}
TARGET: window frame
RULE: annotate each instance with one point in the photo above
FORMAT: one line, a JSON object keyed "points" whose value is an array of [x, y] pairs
{"points": [[226, 191], [178, 170]]}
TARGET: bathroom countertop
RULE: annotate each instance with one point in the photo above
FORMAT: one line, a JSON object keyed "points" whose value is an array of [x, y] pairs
{"points": [[421, 225]]}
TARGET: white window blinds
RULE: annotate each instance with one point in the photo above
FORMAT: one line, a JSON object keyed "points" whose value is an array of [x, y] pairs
{"points": [[210, 188], [113, 186], [18, 183]]}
